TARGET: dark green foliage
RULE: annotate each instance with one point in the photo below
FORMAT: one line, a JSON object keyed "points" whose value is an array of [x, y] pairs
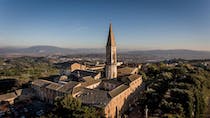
{"points": [[70, 107], [144, 76], [183, 97], [178, 91], [26, 68], [199, 104]]}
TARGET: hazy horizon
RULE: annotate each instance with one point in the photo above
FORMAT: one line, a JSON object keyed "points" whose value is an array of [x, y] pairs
{"points": [[99, 48], [137, 25]]}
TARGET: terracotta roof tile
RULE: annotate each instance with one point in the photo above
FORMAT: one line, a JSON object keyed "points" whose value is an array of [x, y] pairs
{"points": [[118, 90]]}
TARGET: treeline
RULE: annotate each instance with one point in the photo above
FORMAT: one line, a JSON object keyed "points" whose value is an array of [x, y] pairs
{"points": [[26, 67], [178, 90], [69, 107], [22, 70]]}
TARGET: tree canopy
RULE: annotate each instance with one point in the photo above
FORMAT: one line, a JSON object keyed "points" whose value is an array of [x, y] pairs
{"points": [[176, 91], [70, 107]]}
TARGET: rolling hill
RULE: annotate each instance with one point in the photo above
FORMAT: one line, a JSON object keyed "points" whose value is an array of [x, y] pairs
{"points": [[160, 54]]}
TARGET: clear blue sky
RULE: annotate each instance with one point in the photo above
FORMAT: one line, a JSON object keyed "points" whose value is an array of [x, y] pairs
{"points": [[140, 24]]}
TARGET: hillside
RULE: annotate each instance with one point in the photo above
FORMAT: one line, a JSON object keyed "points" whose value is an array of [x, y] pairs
{"points": [[170, 54], [149, 54]]}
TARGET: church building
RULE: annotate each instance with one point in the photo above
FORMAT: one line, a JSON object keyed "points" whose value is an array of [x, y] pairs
{"points": [[111, 93]]}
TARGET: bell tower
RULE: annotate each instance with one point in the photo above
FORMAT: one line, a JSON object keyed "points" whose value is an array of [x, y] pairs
{"points": [[111, 56]]}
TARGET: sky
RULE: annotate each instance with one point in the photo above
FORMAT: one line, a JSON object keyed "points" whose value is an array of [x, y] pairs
{"points": [[137, 24]]}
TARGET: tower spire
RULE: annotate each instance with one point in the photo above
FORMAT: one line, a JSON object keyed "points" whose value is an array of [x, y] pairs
{"points": [[111, 55], [111, 39]]}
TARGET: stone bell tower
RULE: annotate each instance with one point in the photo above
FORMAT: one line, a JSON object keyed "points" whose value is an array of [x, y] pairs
{"points": [[111, 56]]}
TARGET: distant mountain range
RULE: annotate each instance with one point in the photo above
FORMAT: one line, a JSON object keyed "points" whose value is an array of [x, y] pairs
{"points": [[47, 50], [51, 50], [171, 54]]}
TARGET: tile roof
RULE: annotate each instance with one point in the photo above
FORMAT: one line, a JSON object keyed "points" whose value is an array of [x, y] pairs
{"points": [[77, 90], [134, 77], [125, 71], [84, 73], [63, 78], [7, 96], [41, 82], [118, 90], [68, 88], [88, 78], [130, 78], [54, 86], [95, 97], [65, 64], [91, 82], [113, 81]]}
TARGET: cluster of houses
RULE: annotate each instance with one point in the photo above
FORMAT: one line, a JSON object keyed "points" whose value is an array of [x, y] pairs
{"points": [[91, 87], [104, 86]]}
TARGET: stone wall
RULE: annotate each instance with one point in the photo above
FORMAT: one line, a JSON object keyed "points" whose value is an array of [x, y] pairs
{"points": [[114, 107]]}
